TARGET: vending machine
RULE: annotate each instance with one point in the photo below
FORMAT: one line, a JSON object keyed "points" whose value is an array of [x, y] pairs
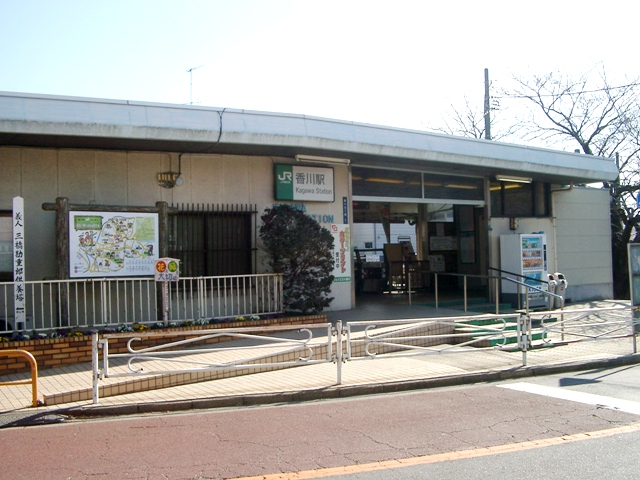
{"points": [[526, 256]]}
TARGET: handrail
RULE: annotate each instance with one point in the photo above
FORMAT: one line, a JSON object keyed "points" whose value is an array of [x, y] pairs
{"points": [[496, 278], [34, 373], [544, 292], [464, 276], [517, 275]]}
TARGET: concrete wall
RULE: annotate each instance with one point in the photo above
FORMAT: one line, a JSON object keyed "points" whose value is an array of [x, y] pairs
{"points": [[102, 177], [578, 241]]}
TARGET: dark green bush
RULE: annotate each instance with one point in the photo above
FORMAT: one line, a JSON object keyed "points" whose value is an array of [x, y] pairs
{"points": [[300, 249]]}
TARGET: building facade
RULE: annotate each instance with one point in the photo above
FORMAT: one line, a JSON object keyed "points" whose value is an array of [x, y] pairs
{"points": [[219, 169]]}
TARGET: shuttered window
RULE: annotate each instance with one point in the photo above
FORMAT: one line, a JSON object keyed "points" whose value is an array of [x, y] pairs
{"points": [[213, 240]]}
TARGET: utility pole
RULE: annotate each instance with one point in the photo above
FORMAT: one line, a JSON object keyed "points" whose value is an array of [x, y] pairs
{"points": [[487, 106], [190, 72]]}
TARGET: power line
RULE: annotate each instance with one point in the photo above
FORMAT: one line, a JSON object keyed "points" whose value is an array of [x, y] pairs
{"points": [[581, 92]]}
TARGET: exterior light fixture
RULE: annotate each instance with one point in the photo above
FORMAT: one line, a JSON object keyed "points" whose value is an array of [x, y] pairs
{"points": [[169, 179], [514, 179], [316, 159], [384, 180]]}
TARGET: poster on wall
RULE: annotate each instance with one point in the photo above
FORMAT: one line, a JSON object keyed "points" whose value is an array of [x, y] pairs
{"points": [[112, 244], [442, 243], [341, 252]]}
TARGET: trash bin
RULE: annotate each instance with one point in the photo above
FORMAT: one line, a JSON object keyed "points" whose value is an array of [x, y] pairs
{"points": [[551, 301], [561, 288]]}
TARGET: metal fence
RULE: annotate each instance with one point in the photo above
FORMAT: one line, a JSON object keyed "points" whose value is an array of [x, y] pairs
{"points": [[87, 303], [409, 337], [267, 348], [245, 350]]}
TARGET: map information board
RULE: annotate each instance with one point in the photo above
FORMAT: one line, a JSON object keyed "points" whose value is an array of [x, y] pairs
{"points": [[112, 244]]}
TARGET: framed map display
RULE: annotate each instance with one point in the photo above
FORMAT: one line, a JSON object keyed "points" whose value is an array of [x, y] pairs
{"points": [[112, 244]]}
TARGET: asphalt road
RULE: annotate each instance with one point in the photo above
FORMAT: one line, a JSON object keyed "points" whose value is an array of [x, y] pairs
{"points": [[445, 431]]}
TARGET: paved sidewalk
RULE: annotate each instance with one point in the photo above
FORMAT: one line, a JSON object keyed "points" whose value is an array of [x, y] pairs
{"points": [[318, 381]]}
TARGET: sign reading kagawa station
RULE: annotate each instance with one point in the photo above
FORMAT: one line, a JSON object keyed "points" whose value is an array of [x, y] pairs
{"points": [[294, 182]]}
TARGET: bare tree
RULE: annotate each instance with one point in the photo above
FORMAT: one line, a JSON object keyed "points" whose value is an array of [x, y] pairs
{"points": [[595, 114], [603, 120], [469, 121], [588, 112]]}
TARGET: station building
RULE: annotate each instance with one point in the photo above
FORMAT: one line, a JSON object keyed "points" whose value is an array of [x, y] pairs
{"points": [[219, 169]]}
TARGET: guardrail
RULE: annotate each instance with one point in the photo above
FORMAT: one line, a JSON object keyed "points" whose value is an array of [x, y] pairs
{"points": [[260, 348], [268, 348], [34, 373], [410, 337], [589, 324], [87, 303]]}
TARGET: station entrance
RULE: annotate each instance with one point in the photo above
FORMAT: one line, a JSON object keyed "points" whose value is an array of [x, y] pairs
{"points": [[400, 243], [398, 246]]}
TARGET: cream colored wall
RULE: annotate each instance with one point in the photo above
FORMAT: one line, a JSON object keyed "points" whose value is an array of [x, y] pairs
{"points": [[578, 241], [583, 227], [130, 178]]}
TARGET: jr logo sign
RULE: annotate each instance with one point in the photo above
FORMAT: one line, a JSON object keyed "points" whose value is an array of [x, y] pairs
{"points": [[295, 182], [285, 177]]}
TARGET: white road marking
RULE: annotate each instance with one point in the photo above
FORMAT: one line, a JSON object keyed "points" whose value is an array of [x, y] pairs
{"points": [[571, 395]]}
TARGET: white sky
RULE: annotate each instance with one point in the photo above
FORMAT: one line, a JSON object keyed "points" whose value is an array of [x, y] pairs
{"points": [[396, 62]]}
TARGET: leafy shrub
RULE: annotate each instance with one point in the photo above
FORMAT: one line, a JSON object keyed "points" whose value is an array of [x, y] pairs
{"points": [[300, 249]]}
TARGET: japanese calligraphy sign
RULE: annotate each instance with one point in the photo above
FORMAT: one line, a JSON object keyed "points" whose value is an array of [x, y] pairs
{"points": [[341, 253], [295, 182], [18, 260]]}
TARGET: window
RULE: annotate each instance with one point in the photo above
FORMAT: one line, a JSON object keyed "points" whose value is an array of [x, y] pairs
{"points": [[510, 199], [6, 247], [371, 182], [375, 182], [213, 242]]}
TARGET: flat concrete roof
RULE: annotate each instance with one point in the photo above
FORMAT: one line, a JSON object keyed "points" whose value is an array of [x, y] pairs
{"points": [[75, 122]]}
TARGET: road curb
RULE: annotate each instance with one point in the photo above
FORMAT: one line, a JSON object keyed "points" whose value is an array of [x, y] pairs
{"points": [[339, 391]]}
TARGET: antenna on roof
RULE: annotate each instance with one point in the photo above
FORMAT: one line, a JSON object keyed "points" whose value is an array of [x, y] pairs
{"points": [[190, 72]]}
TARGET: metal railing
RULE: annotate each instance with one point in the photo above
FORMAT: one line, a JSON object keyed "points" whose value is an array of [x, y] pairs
{"points": [[524, 289], [34, 373], [571, 326], [409, 337], [88, 303], [464, 288], [257, 349], [260, 349]]}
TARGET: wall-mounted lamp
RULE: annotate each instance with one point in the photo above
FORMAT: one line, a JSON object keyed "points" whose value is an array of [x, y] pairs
{"points": [[316, 159], [169, 179], [514, 179]]}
